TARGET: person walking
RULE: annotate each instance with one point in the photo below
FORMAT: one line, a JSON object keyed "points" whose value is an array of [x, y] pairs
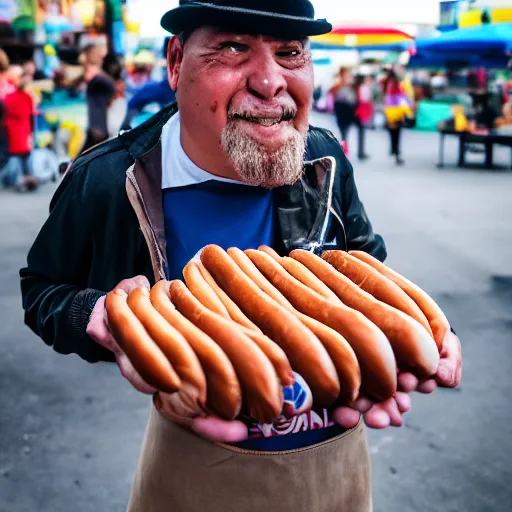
{"points": [[364, 110], [397, 108], [100, 92], [234, 163]]}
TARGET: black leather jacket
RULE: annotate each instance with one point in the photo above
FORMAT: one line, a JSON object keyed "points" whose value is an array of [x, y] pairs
{"points": [[106, 224]]}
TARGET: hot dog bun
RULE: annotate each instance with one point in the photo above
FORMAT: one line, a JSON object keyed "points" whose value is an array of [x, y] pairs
{"points": [[202, 291], [261, 389], [373, 282], [250, 270], [435, 316], [144, 354], [271, 252], [174, 346], [224, 394], [307, 355], [372, 348], [414, 348], [308, 278], [234, 311]]}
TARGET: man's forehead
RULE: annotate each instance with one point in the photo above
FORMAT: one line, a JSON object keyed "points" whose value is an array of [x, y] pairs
{"points": [[214, 33]]}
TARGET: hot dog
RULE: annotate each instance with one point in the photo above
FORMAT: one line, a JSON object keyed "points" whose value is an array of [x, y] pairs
{"points": [[234, 311], [271, 252], [372, 348], [339, 350], [308, 278], [261, 389], [174, 346], [307, 355], [250, 270], [435, 316], [275, 354], [202, 291], [224, 394], [413, 346], [342, 355], [144, 354], [373, 282]]}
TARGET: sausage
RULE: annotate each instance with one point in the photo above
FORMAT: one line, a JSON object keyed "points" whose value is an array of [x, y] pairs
{"points": [[223, 391], [340, 352], [234, 311], [144, 354], [307, 355], [413, 346], [261, 390], [435, 316], [202, 291], [271, 252], [373, 282], [275, 354], [308, 278], [342, 355], [251, 271], [174, 346], [372, 348]]}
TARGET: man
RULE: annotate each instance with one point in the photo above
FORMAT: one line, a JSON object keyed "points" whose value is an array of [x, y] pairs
{"points": [[225, 166], [101, 90]]}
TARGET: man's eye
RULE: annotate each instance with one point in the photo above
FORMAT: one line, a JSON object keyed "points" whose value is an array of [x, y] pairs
{"points": [[289, 53], [233, 47]]}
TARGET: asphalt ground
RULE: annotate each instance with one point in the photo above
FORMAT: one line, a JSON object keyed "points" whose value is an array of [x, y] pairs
{"points": [[70, 432]]}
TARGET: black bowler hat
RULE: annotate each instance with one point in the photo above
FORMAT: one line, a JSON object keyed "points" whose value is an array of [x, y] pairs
{"points": [[286, 19]]}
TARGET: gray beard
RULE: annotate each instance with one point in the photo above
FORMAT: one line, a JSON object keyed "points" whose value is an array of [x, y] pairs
{"points": [[256, 166]]}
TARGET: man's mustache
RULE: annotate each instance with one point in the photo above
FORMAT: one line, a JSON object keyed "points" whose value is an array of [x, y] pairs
{"points": [[276, 114]]}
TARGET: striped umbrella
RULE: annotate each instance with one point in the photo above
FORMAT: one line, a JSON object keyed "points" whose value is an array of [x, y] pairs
{"points": [[363, 38]]}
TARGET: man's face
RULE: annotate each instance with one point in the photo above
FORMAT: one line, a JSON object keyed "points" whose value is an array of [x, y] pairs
{"points": [[246, 95]]}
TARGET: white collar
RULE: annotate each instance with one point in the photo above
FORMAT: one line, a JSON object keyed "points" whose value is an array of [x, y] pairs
{"points": [[177, 168]]}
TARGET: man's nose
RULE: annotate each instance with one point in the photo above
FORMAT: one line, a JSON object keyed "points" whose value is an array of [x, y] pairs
{"points": [[266, 80]]}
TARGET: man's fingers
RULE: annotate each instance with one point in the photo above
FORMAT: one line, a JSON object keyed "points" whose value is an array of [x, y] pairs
{"points": [[427, 387], [377, 418], [220, 431], [128, 285], [407, 382], [390, 406], [403, 400], [131, 375], [362, 404], [346, 417], [450, 368]]}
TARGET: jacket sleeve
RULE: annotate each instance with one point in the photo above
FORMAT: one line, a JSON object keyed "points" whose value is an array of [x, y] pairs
{"points": [[55, 296], [358, 228]]}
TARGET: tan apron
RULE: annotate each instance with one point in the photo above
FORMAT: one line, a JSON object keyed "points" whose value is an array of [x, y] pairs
{"points": [[180, 472]]}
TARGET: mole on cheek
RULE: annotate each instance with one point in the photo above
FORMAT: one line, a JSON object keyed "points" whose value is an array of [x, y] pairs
{"points": [[214, 107]]}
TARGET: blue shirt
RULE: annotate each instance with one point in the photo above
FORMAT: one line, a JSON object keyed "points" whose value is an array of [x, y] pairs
{"points": [[214, 212], [154, 92]]}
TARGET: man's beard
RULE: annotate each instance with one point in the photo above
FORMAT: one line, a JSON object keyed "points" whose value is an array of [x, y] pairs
{"points": [[255, 165]]}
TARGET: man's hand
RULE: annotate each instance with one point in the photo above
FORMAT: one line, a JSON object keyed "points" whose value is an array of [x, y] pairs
{"points": [[172, 406], [390, 412], [98, 330]]}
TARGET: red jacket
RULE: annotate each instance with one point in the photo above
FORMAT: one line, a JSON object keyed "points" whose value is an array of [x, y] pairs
{"points": [[19, 108]]}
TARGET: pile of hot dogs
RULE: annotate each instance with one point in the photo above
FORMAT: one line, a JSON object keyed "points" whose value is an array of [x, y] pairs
{"points": [[234, 334]]}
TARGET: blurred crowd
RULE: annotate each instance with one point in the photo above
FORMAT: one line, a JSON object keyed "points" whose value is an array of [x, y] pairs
{"points": [[389, 98], [36, 146]]}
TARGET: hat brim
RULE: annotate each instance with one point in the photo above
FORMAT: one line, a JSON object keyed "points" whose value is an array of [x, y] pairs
{"points": [[190, 17]]}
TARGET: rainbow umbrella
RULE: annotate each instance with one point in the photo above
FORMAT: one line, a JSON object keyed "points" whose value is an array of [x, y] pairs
{"points": [[363, 38]]}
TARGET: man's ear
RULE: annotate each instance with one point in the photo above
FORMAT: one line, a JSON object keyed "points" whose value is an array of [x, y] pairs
{"points": [[174, 60]]}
